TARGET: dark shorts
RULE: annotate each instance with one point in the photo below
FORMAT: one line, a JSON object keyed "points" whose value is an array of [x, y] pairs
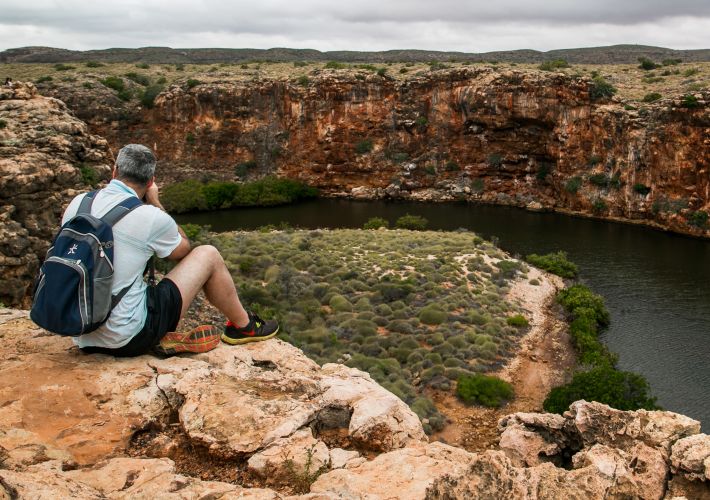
{"points": [[164, 306]]}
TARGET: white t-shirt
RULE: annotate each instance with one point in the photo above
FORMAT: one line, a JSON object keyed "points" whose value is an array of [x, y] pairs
{"points": [[144, 231]]}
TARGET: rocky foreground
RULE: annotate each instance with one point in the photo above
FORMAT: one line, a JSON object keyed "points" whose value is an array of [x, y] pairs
{"points": [[264, 421]]}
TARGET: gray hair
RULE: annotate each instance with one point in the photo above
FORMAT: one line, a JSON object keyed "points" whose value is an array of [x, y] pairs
{"points": [[135, 163]]}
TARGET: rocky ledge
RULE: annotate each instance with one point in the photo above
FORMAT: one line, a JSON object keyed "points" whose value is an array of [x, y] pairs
{"points": [[264, 421]]}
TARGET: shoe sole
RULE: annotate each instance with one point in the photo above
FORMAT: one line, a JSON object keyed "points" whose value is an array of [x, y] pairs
{"points": [[246, 340], [201, 339]]}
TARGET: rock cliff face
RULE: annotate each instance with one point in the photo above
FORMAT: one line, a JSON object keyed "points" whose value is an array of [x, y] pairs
{"points": [[43, 151], [265, 422], [530, 139]]}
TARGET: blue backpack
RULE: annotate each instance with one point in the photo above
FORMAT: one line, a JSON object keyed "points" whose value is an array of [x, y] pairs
{"points": [[72, 294]]}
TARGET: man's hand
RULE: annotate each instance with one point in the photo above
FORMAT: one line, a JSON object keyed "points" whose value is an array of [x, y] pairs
{"points": [[151, 196]]}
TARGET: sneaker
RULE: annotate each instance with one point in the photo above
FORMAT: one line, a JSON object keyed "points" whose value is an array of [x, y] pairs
{"points": [[256, 330], [201, 339]]}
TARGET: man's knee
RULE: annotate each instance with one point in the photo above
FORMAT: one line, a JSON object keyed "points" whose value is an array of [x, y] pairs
{"points": [[207, 253]]}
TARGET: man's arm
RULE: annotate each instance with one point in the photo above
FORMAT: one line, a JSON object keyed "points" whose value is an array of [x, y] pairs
{"points": [[183, 248]]}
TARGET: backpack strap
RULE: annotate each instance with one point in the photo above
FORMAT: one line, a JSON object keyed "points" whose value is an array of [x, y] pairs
{"points": [[121, 210], [111, 218], [86, 202]]}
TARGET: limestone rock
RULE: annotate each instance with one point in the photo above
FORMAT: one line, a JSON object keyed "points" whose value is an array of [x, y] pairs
{"points": [[299, 454], [58, 403], [530, 439], [43, 149], [690, 456], [599, 423], [400, 474]]}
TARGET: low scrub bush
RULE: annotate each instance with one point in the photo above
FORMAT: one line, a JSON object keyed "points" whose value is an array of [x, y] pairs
{"points": [[646, 64], [485, 390], [604, 384], [376, 223], [601, 89], [63, 67], [555, 263], [698, 219], [192, 83], [414, 222], [114, 82], [148, 97], [553, 65], [652, 97], [138, 78], [573, 184], [641, 189], [432, 315], [364, 146], [517, 320]]}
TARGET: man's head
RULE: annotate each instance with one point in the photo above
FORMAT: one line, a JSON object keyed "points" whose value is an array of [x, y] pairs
{"points": [[136, 164]]}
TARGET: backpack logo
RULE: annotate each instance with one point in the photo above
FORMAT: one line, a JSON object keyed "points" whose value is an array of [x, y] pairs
{"points": [[73, 290]]}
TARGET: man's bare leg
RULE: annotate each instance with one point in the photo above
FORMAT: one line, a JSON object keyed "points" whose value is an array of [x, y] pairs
{"points": [[204, 269]]}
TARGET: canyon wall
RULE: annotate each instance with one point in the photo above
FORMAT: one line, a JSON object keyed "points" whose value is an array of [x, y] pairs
{"points": [[529, 139], [46, 155]]}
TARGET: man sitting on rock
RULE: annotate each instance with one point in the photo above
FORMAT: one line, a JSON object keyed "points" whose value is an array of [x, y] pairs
{"points": [[132, 329]]}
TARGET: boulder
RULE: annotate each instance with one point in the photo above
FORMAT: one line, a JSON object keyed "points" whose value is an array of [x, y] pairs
{"points": [[690, 457]]}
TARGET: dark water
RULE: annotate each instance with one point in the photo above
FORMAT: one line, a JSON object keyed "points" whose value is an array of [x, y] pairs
{"points": [[656, 284]]}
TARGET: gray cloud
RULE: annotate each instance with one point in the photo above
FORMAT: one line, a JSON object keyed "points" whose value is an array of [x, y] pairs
{"points": [[362, 25]]}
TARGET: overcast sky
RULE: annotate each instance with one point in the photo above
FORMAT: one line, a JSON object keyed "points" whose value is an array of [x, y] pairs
{"points": [[468, 26]]}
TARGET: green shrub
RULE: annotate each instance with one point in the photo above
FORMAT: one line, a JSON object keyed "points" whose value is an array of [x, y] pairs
{"points": [[43, 79], [194, 231], [148, 97], [340, 303], [690, 72], [143, 65], [646, 64], [689, 101], [93, 64], [698, 219], [555, 263], [190, 138], [671, 62], [114, 83], [495, 160], [553, 65], [183, 197], [364, 146], [335, 65], [243, 168], [581, 297], [432, 315], [191, 83], [618, 389], [543, 171], [573, 184], [601, 180], [414, 222], [517, 320], [478, 185], [600, 89], [652, 97], [138, 78], [3, 124], [63, 67], [88, 174], [87, 85], [403, 70], [599, 206], [381, 71], [219, 194], [303, 81], [483, 389], [452, 166], [641, 189], [299, 64], [376, 223]]}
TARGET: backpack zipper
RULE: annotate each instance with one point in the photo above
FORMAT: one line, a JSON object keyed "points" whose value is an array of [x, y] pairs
{"points": [[102, 254]]}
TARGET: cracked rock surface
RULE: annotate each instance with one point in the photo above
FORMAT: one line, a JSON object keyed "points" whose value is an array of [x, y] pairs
{"points": [[263, 421]]}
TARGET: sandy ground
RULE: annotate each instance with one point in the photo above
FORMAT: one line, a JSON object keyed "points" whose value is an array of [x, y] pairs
{"points": [[544, 360]]}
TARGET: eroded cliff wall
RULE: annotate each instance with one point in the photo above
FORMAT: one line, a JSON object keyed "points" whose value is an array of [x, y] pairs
{"points": [[530, 139], [46, 154]]}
